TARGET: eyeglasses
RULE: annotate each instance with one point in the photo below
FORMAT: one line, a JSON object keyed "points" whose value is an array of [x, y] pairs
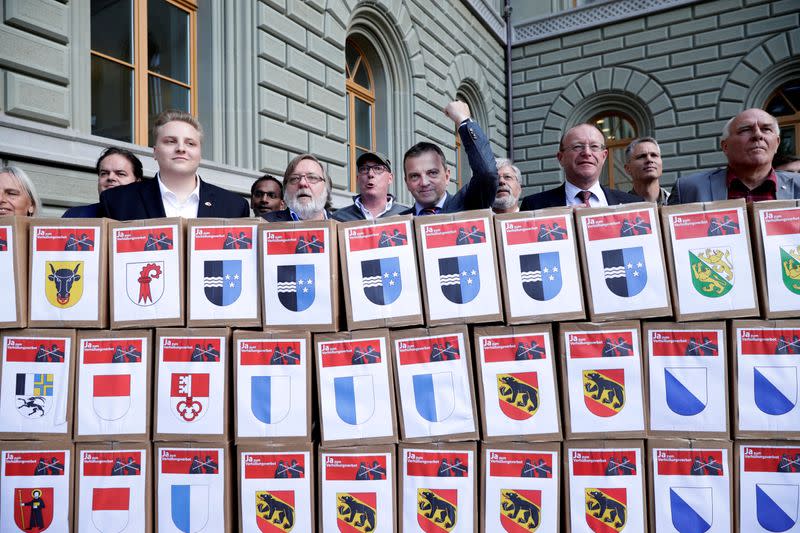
{"points": [[578, 148], [377, 169], [508, 177], [312, 179]]}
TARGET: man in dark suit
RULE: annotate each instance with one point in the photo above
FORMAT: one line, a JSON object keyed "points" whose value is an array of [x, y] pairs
{"points": [[306, 191], [177, 190], [373, 177], [581, 153], [427, 175], [114, 167], [266, 194]]}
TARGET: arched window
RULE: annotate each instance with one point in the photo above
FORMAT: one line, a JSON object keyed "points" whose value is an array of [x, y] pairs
{"points": [[360, 85], [784, 104], [619, 130]]}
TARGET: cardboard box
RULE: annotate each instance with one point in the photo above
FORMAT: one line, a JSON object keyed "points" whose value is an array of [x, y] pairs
{"points": [[776, 243], [517, 383], [602, 380], [224, 288], [458, 265], [710, 260], [300, 275], [605, 486], [114, 486], [433, 369], [438, 487], [691, 485], [36, 384], [687, 369], [766, 379], [357, 489], [276, 488], [623, 262], [520, 488], [147, 273], [193, 488], [379, 273], [35, 486], [767, 486], [68, 284], [114, 370], [191, 398], [355, 388], [272, 384], [539, 263], [14, 269]]}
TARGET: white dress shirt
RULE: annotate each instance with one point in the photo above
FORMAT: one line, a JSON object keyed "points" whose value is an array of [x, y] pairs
{"points": [[598, 198], [172, 207]]}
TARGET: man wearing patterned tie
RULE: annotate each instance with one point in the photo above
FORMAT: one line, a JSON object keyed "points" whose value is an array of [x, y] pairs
{"points": [[582, 154]]}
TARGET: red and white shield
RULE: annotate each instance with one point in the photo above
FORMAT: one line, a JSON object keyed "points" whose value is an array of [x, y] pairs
{"points": [[110, 508], [33, 508], [189, 395], [111, 396]]}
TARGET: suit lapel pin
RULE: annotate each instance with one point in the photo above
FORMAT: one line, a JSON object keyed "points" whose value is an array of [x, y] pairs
{"points": [[207, 204]]}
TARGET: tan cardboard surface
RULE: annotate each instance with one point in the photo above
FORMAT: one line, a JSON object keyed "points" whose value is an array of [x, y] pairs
{"points": [[14, 306]]}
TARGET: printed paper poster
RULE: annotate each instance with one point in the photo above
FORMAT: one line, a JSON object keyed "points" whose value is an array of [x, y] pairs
{"points": [[35, 490], [8, 308], [780, 233], [769, 488], [190, 490], [112, 490]]}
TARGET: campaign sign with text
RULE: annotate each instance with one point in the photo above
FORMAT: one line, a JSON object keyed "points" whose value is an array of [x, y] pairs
{"points": [[297, 277], [768, 378], [692, 490], [35, 387], [541, 266], [112, 490], [190, 490], [223, 272], [606, 494], [8, 308], [357, 491], [434, 387], [191, 385], [522, 491], [780, 233], [713, 267], [604, 381], [460, 272], [688, 384], [275, 491], [382, 271], [354, 390], [35, 490], [112, 386], [65, 273], [519, 385], [438, 490], [271, 387], [626, 265], [769, 488], [146, 273]]}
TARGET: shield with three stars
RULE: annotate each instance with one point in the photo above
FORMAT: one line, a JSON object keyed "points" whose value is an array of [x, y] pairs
{"points": [[459, 278], [624, 271], [381, 280], [296, 286], [222, 281], [541, 275]]}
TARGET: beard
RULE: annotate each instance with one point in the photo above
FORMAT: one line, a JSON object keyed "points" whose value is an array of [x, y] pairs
{"points": [[505, 202], [306, 207]]}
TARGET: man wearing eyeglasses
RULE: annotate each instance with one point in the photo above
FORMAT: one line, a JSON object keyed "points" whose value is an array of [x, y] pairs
{"points": [[581, 153], [374, 176], [306, 191], [509, 187]]}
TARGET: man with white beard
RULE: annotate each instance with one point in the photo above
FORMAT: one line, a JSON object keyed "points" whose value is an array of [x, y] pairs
{"points": [[509, 187], [306, 191]]}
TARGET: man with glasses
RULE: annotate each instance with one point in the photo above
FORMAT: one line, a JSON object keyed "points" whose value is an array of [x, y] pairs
{"points": [[581, 153], [374, 176], [509, 187], [266, 194], [306, 191]]}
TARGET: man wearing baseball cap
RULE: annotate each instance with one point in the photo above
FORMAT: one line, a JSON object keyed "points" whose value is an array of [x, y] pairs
{"points": [[374, 177]]}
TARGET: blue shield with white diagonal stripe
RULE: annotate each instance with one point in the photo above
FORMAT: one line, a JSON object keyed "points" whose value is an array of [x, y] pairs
{"points": [[381, 280], [691, 509], [222, 281], [355, 398], [625, 271], [189, 507], [296, 285], [459, 278], [270, 398], [686, 389], [541, 275], [434, 395], [776, 506], [775, 389]]}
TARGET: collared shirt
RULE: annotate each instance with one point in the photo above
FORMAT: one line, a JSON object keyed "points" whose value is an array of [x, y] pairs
{"points": [[367, 213], [296, 217], [663, 195], [438, 206], [598, 198], [766, 190], [172, 207]]}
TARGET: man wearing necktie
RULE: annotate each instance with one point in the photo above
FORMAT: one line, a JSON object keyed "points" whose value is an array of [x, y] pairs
{"points": [[581, 153]]}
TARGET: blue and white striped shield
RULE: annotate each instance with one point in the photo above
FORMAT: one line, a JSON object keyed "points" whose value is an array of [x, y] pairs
{"points": [[296, 286], [270, 398], [541, 275], [222, 281], [190, 507], [355, 398], [459, 278], [625, 271], [381, 280], [691, 508]]}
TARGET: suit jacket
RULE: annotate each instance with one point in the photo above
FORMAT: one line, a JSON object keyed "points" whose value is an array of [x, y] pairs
{"points": [[710, 185], [83, 211], [558, 198], [352, 212], [284, 215], [479, 192], [142, 199]]}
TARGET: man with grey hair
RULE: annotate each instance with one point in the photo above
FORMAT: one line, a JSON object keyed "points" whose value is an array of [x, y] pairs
{"points": [[306, 191], [509, 187], [643, 165], [749, 142]]}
